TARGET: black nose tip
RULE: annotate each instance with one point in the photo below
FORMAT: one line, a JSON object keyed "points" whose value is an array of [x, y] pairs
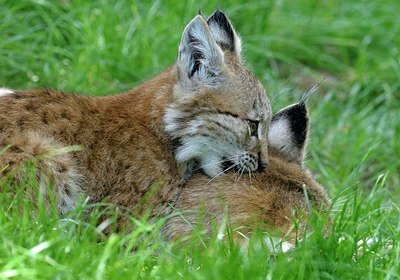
{"points": [[261, 164]]}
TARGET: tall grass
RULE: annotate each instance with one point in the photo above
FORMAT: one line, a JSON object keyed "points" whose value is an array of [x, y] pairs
{"points": [[102, 47]]}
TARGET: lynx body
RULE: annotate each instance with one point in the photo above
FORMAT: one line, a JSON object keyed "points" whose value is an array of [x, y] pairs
{"points": [[205, 112]]}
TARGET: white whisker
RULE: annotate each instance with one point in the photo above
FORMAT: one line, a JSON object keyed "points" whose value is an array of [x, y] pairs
{"points": [[222, 172], [240, 172]]}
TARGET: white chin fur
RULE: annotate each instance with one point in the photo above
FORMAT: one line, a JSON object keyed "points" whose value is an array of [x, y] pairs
{"points": [[211, 166], [5, 91], [196, 150]]}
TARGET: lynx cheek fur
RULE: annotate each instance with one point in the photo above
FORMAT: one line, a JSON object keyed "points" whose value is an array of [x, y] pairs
{"points": [[265, 199], [206, 111]]}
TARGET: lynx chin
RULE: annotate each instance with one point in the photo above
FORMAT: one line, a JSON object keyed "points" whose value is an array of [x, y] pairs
{"points": [[206, 112]]}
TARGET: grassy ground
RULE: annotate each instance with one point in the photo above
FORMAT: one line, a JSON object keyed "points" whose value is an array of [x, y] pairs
{"points": [[101, 47]]}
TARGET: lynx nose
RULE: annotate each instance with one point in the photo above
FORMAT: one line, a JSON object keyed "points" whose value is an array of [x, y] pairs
{"points": [[247, 163]]}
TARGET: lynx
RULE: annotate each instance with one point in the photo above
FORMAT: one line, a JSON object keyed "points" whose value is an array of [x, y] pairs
{"points": [[265, 199], [206, 112]]}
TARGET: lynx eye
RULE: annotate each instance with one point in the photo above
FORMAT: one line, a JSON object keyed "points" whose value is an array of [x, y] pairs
{"points": [[253, 127]]}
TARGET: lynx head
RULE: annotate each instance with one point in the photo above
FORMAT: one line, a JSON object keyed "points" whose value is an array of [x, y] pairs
{"points": [[264, 200], [220, 114]]}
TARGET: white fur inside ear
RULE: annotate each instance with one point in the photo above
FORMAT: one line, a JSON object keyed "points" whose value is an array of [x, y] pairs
{"points": [[5, 91], [279, 135]]}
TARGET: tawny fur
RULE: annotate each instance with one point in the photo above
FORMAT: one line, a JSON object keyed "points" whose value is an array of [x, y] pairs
{"points": [[123, 147], [130, 142], [265, 200], [40, 165]]}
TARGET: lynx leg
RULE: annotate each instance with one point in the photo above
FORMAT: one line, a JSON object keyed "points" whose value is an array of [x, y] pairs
{"points": [[52, 168]]}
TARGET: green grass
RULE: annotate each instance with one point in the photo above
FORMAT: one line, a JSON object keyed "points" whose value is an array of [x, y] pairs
{"points": [[102, 47]]}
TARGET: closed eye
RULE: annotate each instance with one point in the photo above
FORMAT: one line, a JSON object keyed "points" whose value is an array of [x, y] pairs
{"points": [[252, 124], [253, 127]]}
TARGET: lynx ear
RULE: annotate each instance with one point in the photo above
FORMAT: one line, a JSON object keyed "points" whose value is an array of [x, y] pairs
{"points": [[224, 33], [200, 58], [289, 131]]}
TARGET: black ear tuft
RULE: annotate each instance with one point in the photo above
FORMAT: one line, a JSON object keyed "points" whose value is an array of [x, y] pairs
{"points": [[289, 128]]}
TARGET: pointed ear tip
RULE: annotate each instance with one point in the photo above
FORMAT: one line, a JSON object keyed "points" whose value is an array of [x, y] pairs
{"points": [[217, 14], [219, 11], [198, 17], [196, 21]]}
